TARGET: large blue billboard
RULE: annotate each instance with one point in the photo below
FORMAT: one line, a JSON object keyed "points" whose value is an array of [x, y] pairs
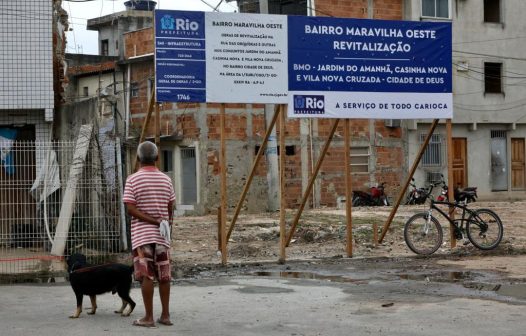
{"points": [[319, 66], [358, 68]]}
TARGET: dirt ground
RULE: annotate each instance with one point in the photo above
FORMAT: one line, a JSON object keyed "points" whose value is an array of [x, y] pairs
{"points": [[321, 235]]}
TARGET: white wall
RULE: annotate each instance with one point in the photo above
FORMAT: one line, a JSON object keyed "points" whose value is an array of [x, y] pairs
{"points": [[26, 59]]}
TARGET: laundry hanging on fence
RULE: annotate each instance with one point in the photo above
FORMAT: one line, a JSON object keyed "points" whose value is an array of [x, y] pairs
{"points": [[48, 179], [7, 138]]}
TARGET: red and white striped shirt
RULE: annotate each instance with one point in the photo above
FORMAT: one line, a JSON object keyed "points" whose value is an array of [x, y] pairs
{"points": [[150, 190]]}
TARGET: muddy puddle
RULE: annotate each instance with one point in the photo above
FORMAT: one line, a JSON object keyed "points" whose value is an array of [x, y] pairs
{"points": [[306, 275]]}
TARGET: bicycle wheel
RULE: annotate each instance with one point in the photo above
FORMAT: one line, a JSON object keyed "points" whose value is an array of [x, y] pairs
{"points": [[423, 235], [484, 229]]}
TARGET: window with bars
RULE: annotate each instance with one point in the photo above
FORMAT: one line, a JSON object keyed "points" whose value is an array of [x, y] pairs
{"points": [[433, 176], [435, 8], [360, 159], [432, 156], [134, 89]]}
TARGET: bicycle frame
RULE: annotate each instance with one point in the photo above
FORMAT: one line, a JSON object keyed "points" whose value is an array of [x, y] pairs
{"points": [[461, 220]]}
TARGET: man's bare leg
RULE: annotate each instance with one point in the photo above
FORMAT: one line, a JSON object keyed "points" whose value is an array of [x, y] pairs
{"points": [[164, 293]]}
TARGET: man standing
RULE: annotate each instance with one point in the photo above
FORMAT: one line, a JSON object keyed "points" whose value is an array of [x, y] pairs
{"points": [[149, 198]]}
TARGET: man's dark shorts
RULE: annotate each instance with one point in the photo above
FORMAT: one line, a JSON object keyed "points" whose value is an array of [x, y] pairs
{"points": [[152, 263]]}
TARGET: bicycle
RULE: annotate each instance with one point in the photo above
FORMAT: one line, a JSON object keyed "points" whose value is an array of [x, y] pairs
{"points": [[423, 233]]}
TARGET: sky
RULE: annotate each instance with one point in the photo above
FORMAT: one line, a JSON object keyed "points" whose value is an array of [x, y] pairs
{"points": [[80, 40]]}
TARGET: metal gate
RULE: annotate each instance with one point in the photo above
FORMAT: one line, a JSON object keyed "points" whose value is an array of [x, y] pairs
{"points": [[32, 193], [499, 161]]}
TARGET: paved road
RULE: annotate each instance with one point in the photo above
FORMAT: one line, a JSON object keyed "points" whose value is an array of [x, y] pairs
{"points": [[345, 298]]}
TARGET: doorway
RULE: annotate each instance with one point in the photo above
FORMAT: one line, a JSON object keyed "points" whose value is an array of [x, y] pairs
{"points": [[517, 163], [460, 169], [499, 161]]}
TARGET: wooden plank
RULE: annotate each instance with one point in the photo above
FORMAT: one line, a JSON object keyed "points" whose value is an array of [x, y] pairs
{"points": [[348, 186], [311, 181], [222, 169], [145, 124], [157, 132], [517, 163], [75, 171], [282, 160], [253, 171], [450, 179], [406, 183]]}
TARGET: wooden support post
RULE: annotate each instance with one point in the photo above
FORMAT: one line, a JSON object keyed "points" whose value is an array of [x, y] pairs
{"points": [[409, 176], [348, 186], [222, 168], [450, 180], [219, 230], [282, 224], [145, 124], [253, 171], [375, 234], [158, 132], [311, 181]]}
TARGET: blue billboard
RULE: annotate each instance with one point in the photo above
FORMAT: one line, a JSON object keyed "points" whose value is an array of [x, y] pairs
{"points": [[362, 68], [320, 66]]}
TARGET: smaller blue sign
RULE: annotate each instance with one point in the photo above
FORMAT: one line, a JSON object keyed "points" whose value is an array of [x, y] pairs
{"points": [[180, 59]]}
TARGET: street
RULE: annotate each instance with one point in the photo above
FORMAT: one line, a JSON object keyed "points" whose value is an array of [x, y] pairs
{"points": [[376, 296]]}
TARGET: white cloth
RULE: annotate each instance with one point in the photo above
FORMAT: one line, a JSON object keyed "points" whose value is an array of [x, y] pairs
{"points": [[164, 229]]}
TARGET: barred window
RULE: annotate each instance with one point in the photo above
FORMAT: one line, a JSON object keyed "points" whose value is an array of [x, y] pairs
{"points": [[433, 154], [134, 89], [360, 159]]}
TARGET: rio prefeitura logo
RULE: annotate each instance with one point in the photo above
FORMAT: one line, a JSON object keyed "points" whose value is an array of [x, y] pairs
{"points": [[309, 104]]}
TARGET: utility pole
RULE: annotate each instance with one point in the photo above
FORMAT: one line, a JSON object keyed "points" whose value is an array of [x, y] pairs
{"points": [[272, 148]]}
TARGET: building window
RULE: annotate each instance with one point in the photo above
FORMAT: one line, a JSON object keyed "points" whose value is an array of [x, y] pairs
{"points": [[85, 91], [492, 77], [360, 159], [435, 8], [492, 11], [104, 47], [432, 156], [167, 161], [134, 89]]}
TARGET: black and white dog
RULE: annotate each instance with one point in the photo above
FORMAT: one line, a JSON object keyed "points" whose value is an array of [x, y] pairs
{"points": [[98, 279]]}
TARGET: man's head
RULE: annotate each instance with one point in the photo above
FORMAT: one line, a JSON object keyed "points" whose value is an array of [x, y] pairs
{"points": [[147, 153]]}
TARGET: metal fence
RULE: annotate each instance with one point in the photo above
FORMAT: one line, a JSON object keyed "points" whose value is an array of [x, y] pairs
{"points": [[35, 191]]}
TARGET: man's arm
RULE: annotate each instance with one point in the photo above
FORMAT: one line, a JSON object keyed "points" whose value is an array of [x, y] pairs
{"points": [[134, 212]]}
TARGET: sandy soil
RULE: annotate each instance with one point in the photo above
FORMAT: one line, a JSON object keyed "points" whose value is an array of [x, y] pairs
{"points": [[321, 234]]}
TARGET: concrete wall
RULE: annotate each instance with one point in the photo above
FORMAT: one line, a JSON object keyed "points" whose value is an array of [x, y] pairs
{"points": [[476, 112], [113, 27]]}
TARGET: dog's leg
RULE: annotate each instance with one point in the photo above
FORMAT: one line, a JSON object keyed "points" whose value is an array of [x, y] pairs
{"points": [[93, 300], [79, 305], [124, 293], [132, 306], [124, 304]]}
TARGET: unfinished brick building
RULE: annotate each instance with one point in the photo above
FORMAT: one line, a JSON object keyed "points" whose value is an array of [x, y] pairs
{"points": [[190, 135]]}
